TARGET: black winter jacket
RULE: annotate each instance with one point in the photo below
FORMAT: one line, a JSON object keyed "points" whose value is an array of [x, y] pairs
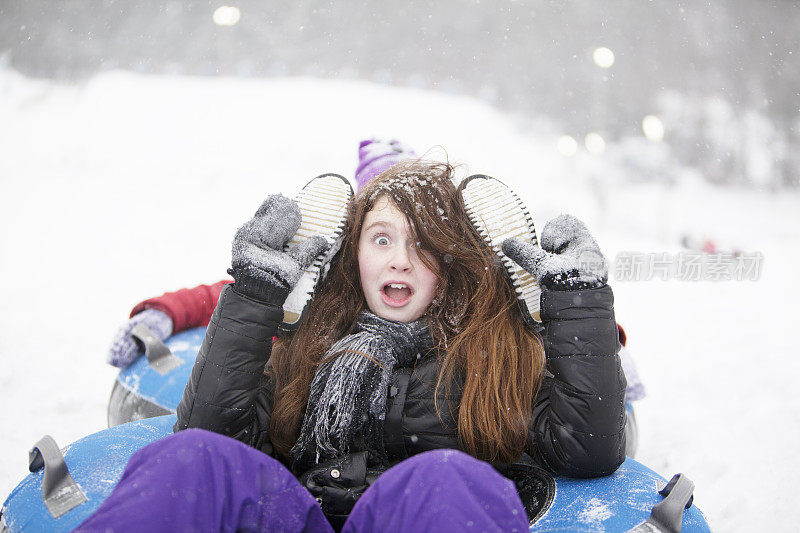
{"points": [[577, 427]]}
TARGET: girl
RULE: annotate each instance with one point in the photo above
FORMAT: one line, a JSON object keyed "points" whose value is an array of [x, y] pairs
{"points": [[412, 348]]}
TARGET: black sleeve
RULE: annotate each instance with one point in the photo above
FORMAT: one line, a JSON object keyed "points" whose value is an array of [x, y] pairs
{"points": [[227, 392], [578, 423]]}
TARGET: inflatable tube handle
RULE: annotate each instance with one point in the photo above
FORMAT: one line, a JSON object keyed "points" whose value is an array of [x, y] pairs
{"points": [[59, 491], [157, 353], [667, 514]]}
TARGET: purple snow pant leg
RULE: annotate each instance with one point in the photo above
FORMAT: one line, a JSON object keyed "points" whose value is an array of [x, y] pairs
{"points": [[196, 480], [440, 490]]}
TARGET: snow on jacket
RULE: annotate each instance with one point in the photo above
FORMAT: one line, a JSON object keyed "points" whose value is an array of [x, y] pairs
{"points": [[578, 419]]}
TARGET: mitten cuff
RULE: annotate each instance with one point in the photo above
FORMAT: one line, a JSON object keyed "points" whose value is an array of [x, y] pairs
{"points": [[259, 285], [568, 281]]}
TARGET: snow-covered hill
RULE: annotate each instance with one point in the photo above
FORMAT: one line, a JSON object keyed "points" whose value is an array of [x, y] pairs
{"points": [[128, 185]]}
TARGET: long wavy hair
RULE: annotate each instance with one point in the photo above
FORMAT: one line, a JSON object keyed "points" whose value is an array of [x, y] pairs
{"points": [[482, 343]]}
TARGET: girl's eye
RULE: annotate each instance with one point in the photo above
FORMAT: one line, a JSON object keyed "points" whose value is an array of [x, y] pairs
{"points": [[382, 240]]}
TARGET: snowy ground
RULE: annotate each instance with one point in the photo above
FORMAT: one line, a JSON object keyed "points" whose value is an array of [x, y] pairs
{"points": [[128, 185]]}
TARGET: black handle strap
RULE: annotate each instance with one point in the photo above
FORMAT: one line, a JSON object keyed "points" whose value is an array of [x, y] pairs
{"points": [[667, 515], [157, 353], [59, 491]]}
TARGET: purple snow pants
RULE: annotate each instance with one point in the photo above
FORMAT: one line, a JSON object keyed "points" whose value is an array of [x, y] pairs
{"points": [[196, 480]]}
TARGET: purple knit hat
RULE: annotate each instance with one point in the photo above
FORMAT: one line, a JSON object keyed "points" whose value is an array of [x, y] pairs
{"points": [[377, 155]]}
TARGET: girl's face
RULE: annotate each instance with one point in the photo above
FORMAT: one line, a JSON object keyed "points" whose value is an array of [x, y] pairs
{"points": [[396, 283]]}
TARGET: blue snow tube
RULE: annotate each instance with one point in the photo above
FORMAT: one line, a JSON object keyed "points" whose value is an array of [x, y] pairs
{"points": [[619, 502], [154, 383], [95, 463]]}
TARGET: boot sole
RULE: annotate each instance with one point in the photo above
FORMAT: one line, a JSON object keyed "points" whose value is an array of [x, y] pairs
{"points": [[497, 213], [323, 205]]}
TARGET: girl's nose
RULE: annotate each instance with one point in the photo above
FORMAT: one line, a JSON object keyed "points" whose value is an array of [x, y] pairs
{"points": [[401, 259]]}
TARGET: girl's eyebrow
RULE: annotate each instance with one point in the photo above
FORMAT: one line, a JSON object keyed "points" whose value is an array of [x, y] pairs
{"points": [[376, 223]]}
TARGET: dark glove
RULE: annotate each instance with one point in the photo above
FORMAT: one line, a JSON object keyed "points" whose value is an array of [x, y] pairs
{"points": [[259, 265], [569, 258], [124, 350]]}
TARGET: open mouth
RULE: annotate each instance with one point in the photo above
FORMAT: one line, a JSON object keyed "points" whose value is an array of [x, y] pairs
{"points": [[396, 293]]}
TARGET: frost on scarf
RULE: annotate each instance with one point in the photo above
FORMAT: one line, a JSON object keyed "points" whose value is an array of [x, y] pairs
{"points": [[347, 399]]}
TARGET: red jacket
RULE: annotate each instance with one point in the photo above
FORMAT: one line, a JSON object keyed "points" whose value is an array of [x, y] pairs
{"points": [[188, 308]]}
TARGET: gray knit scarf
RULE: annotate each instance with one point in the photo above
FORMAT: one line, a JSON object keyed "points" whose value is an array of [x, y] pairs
{"points": [[347, 400]]}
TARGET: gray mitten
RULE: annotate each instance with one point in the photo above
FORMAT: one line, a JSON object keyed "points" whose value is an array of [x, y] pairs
{"points": [[124, 349], [569, 258], [259, 265]]}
